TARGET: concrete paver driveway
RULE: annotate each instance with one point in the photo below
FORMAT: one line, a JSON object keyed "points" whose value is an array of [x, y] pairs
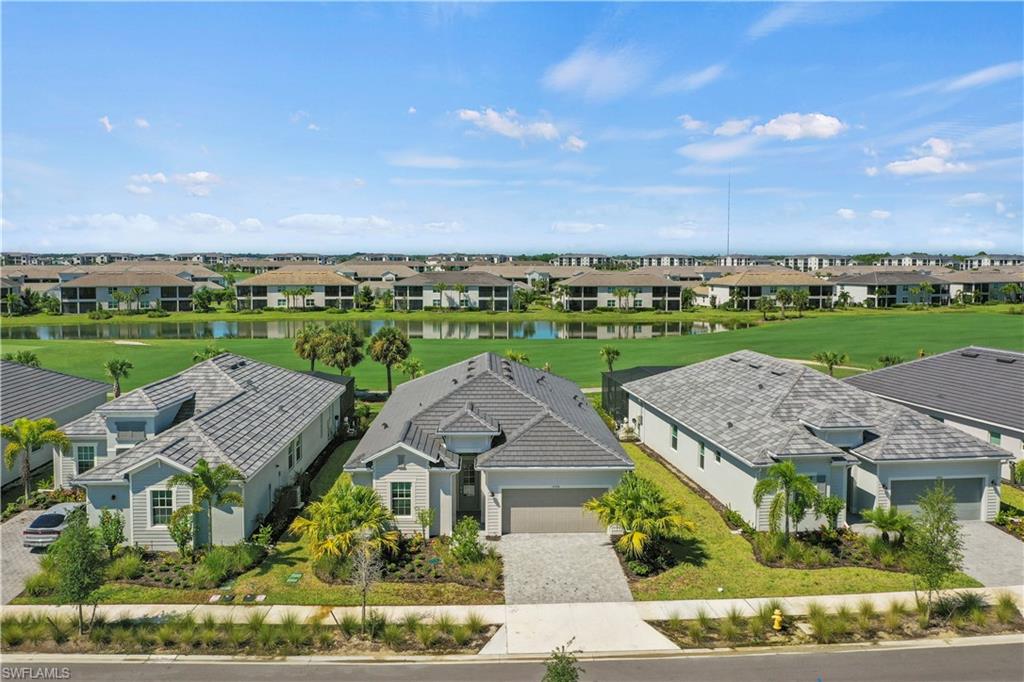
{"points": [[17, 563], [557, 568], [993, 557]]}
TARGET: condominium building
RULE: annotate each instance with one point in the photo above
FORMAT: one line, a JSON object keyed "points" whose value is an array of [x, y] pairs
{"points": [[885, 289], [812, 262], [530, 272], [296, 287], [744, 288], [981, 286], [738, 260], [453, 289], [587, 260], [986, 260], [667, 260], [126, 290], [915, 259], [606, 289]]}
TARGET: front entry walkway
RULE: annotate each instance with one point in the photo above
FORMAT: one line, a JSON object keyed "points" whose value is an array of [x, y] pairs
{"points": [[559, 568], [994, 558]]}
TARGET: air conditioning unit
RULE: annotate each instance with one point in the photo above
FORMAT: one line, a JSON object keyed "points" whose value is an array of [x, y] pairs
{"points": [[293, 497]]}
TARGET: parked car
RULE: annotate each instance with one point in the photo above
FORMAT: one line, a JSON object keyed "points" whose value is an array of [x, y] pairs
{"points": [[48, 526]]}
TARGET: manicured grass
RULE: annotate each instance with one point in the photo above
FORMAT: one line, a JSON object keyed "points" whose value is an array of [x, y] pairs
{"points": [[721, 559], [1012, 496], [331, 470], [863, 336]]}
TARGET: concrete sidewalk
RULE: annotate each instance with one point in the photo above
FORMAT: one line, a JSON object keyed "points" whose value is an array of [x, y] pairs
{"points": [[530, 628]]}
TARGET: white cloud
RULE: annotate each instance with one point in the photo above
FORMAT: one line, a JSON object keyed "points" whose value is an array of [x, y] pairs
{"points": [[986, 76], [198, 183], [787, 14], [332, 223], [105, 122], [443, 226], [442, 162], [139, 189], [298, 116], [690, 82], [795, 126], [733, 127], [574, 144], [150, 178], [577, 227], [597, 75], [677, 232], [846, 213], [251, 225], [690, 123], [779, 17], [878, 214], [927, 165], [971, 199], [358, 182], [871, 171], [715, 150], [935, 146], [1000, 208], [508, 124], [106, 223], [141, 123], [203, 223], [312, 126]]}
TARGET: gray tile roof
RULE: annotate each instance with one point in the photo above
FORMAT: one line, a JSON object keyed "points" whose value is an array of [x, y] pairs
{"points": [[755, 406], [453, 277], [517, 399], [979, 383], [235, 410], [468, 419], [35, 393]]}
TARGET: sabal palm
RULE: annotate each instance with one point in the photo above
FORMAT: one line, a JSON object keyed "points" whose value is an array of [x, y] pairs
{"points": [[137, 293], [784, 297], [609, 354], [888, 521], [346, 516], [341, 346], [792, 494], [642, 511], [209, 486], [25, 435], [307, 343], [389, 346], [830, 359], [460, 289], [117, 369]]}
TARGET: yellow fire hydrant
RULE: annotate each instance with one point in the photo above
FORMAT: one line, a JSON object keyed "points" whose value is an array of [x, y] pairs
{"points": [[777, 620]]}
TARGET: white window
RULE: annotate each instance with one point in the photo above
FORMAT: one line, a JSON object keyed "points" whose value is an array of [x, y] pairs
{"points": [[161, 506], [401, 498], [298, 447], [281, 303], [399, 461], [85, 457], [291, 454]]}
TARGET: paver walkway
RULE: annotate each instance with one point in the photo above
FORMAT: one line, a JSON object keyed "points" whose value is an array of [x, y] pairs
{"points": [[559, 568], [991, 556], [17, 563]]}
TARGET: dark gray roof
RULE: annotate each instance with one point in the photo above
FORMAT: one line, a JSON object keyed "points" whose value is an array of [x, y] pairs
{"points": [[756, 406], [468, 419], [35, 393], [453, 277], [543, 419], [624, 376], [233, 410], [979, 383]]}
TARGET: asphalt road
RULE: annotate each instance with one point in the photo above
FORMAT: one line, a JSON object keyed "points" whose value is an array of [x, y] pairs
{"points": [[991, 663]]}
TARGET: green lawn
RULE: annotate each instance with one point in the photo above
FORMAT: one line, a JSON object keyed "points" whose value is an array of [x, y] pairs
{"points": [[1012, 496], [862, 336], [722, 559]]}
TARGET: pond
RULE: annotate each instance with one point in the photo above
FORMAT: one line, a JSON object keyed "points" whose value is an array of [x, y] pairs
{"points": [[417, 329]]}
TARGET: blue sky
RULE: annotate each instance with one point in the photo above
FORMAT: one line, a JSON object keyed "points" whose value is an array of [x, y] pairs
{"points": [[515, 127]]}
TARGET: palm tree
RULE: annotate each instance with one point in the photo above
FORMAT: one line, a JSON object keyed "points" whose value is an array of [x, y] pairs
{"points": [[14, 305], [800, 300], [609, 354], [25, 436], [888, 360], [830, 359], [307, 343], [117, 369], [888, 521], [686, 298], [210, 351], [620, 294], [517, 356], [642, 511], [439, 289], [23, 357], [784, 298], [341, 346], [387, 299], [736, 298], [765, 304], [1011, 292], [411, 367], [346, 516], [843, 298], [210, 487], [137, 293], [119, 297], [302, 293], [389, 346], [460, 289], [792, 494]]}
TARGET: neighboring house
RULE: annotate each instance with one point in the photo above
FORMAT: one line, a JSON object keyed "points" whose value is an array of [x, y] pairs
{"points": [[743, 261], [585, 260], [977, 390], [885, 289], [724, 421], [516, 448], [279, 289], [529, 273], [751, 285], [38, 393], [813, 262], [268, 422], [97, 290], [483, 291], [980, 286], [382, 257], [915, 260], [605, 289], [666, 260], [983, 260]]}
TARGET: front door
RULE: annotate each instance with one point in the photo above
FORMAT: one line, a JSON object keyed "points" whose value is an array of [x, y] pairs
{"points": [[469, 487]]}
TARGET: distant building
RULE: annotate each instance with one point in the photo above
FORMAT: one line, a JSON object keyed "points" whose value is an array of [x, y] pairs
{"points": [[587, 260], [983, 260], [886, 289], [980, 286], [324, 288], [915, 259], [611, 289], [742, 260], [813, 262], [667, 260], [481, 290], [747, 286]]}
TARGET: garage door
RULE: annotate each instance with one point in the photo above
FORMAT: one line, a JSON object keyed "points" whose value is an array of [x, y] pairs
{"points": [[966, 491], [549, 510]]}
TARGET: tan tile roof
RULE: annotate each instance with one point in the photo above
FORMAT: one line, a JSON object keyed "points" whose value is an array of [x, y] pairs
{"points": [[611, 278], [320, 275], [990, 276], [128, 279], [523, 269], [783, 277]]}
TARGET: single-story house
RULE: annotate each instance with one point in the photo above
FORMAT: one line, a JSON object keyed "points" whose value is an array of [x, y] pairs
{"points": [[888, 288], [482, 291], [724, 421], [977, 390], [268, 422], [517, 448], [36, 393]]}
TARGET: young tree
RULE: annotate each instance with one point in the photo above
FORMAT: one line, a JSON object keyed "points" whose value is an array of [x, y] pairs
{"points": [[935, 544], [765, 305], [609, 354], [411, 367], [367, 569], [209, 487], [365, 297], [117, 369], [23, 357], [735, 298], [25, 436], [517, 356], [203, 300], [830, 359], [136, 294], [562, 665], [800, 300], [792, 494], [686, 297], [829, 507], [111, 530], [182, 529], [307, 343], [208, 352], [784, 298], [843, 298], [387, 299], [425, 517], [78, 562], [440, 288], [14, 306], [1011, 292], [389, 346]]}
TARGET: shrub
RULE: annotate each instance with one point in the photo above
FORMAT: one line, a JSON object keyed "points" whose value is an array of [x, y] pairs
{"points": [[411, 621], [41, 584], [822, 627], [704, 619], [696, 632], [638, 568], [460, 635], [475, 623], [350, 624], [12, 634], [734, 617], [127, 567], [866, 614], [426, 635], [159, 312], [444, 624], [167, 635], [59, 629], [255, 622], [267, 637], [209, 638], [730, 632], [100, 314], [376, 621], [392, 635], [1006, 608], [466, 547]]}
